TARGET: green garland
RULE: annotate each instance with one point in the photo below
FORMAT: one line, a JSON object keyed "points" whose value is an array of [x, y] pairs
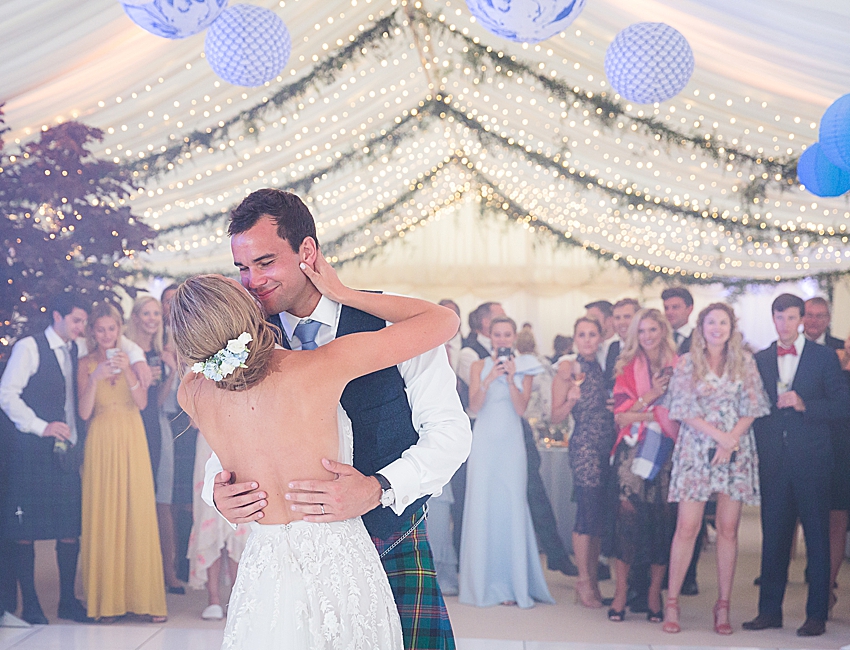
{"points": [[411, 121], [325, 72], [606, 111], [602, 109]]}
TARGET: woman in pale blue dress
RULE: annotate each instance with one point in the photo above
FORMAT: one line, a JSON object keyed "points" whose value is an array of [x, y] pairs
{"points": [[499, 560]]}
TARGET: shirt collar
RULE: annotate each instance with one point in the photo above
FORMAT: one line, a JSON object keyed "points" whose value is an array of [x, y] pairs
{"points": [[53, 339], [799, 344], [326, 313], [483, 340], [685, 330]]}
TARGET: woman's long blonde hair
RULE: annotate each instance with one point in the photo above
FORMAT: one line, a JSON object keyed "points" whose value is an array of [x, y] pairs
{"points": [[631, 346], [209, 310], [134, 326], [99, 311], [733, 352]]}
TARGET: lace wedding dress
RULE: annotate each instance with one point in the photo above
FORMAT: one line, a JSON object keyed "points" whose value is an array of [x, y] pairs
{"points": [[316, 586]]}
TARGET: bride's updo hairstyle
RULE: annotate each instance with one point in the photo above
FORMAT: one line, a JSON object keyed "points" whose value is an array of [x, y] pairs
{"points": [[209, 310]]}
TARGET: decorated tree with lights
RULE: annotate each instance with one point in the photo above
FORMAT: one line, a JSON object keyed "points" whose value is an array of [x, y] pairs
{"points": [[63, 224]]}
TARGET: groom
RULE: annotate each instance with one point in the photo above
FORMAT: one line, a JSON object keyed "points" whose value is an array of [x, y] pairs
{"points": [[410, 431]]}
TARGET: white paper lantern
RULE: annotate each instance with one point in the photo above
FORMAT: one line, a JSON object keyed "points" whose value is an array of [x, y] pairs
{"points": [[174, 18], [649, 62], [525, 21], [247, 45]]}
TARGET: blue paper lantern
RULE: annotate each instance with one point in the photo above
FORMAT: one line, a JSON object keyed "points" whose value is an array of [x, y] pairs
{"points": [[525, 21], [819, 175], [649, 62], [834, 134], [247, 45], [174, 18]]}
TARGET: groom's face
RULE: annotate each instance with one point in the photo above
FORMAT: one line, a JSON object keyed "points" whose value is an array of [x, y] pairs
{"points": [[269, 268]]}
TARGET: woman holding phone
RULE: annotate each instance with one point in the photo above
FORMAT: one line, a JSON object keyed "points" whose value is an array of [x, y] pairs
{"points": [[499, 561], [121, 558], [644, 519], [716, 393]]}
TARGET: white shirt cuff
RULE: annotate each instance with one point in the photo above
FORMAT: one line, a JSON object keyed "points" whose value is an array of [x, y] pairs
{"points": [[38, 427], [211, 470], [402, 476]]}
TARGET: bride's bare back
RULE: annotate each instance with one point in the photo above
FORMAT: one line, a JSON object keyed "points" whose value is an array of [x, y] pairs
{"points": [[276, 431]]}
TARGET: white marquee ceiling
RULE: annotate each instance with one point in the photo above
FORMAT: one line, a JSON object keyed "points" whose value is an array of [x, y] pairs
{"points": [[765, 72]]}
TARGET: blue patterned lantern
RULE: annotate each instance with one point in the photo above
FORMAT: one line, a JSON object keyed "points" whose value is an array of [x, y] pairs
{"points": [[819, 175], [247, 45], [525, 21], [834, 134], [649, 62], [174, 18]]}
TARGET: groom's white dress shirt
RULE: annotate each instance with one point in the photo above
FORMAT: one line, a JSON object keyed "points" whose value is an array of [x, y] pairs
{"points": [[445, 437]]}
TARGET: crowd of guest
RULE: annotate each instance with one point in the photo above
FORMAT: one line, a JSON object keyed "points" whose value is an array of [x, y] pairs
{"points": [[671, 423], [99, 457], [667, 424]]}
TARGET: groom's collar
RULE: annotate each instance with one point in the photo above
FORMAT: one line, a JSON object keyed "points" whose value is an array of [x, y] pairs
{"points": [[326, 312]]}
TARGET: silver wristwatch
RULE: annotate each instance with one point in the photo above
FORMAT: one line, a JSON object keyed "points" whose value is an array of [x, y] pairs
{"points": [[387, 493]]}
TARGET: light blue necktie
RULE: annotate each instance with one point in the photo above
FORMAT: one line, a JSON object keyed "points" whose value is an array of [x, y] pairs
{"points": [[306, 332]]}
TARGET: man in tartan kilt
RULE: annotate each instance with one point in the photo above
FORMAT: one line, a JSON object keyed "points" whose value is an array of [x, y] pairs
{"points": [[410, 431], [42, 493]]}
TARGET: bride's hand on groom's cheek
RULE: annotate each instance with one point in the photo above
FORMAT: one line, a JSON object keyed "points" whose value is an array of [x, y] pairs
{"points": [[324, 278], [351, 494]]}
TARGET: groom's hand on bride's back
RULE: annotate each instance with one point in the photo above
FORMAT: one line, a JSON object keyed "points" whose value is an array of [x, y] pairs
{"points": [[239, 503], [350, 494]]}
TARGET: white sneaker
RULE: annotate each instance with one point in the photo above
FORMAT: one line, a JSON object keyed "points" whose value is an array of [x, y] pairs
{"points": [[213, 613], [10, 620]]}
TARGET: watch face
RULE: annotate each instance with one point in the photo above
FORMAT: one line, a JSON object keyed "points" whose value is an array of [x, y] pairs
{"points": [[387, 498]]}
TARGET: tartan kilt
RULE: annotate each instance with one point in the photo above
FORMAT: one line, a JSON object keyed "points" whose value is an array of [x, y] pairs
{"points": [[410, 568], [49, 497]]}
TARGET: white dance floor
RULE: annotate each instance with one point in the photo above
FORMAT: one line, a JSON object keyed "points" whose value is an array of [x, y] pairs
{"points": [[126, 637], [563, 626]]}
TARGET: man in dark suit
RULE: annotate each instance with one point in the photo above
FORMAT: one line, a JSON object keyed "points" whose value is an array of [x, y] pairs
{"points": [[678, 306], [816, 324], [808, 393]]}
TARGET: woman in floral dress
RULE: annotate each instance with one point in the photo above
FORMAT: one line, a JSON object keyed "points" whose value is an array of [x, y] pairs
{"points": [[716, 393]]}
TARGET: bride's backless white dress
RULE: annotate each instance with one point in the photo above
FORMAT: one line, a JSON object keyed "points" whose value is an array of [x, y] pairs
{"points": [[312, 586]]}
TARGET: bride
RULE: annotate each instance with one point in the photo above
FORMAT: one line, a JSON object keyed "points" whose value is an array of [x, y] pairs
{"points": [[271, 414]]}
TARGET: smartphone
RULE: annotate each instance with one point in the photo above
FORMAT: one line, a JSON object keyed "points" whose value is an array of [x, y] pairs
{"points": [[111, 352], [503, 354]]}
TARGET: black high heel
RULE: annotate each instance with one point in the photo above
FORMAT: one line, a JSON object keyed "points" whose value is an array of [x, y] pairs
{"points": [[616, 616], [655, 617]]}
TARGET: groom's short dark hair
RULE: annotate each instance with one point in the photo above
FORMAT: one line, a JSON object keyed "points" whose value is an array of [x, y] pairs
{"points": [[293, 219]]}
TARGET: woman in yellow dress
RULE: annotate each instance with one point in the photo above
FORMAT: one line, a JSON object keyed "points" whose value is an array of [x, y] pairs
{"points": [[120, 552]]}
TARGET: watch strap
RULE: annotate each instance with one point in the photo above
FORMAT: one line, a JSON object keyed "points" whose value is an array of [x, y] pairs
{"points": [[384, 483]]}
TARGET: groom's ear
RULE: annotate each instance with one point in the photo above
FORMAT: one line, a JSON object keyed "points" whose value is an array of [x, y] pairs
{"points": [[308, 251]]}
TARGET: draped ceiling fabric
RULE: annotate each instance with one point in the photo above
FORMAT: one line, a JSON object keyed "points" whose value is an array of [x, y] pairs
{"points": [[765, 72]]}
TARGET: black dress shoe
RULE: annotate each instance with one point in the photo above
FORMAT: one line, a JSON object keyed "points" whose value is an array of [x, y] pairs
{"points": [[603, 572], [180, 591], [812, 627], [607, 601], [74, 611], [34, 616], [565, 566], [763, 622], [690, 588]]}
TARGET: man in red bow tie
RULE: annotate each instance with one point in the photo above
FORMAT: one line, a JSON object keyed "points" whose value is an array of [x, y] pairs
{"points": [[809, 393]]}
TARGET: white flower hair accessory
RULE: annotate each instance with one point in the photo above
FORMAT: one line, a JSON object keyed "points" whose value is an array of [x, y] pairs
{"points": [[226, 360]]}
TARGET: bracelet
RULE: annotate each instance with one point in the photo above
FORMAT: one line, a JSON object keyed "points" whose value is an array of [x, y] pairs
{"points": [[134, 387], [641, 401]]}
